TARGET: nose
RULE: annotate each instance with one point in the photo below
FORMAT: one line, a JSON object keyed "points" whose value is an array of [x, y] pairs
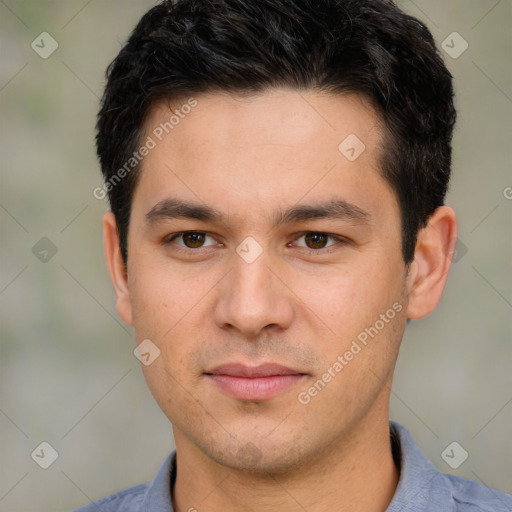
{"points": [[253, 298]]}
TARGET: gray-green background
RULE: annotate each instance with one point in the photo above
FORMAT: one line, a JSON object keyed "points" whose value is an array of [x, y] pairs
{"points": [[68, 374]]}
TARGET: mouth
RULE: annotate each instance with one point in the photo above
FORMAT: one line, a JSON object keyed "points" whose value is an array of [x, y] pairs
{"points": [[256, 383]]}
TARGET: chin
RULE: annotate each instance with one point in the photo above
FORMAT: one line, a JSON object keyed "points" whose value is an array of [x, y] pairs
{"points": [[257, 454]]}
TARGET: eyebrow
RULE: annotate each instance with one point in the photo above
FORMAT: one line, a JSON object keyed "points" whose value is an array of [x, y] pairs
{"points": [[338, 209]]}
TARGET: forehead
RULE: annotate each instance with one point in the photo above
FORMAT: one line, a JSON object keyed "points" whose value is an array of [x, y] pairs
{"points": [[276, 116], [261, 149]]}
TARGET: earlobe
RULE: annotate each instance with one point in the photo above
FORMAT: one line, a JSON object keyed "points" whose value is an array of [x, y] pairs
{"points": [[432, 260], [116, 267]]}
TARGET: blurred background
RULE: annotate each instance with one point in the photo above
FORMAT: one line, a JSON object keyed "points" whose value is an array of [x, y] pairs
{"points": [[68, 374]]}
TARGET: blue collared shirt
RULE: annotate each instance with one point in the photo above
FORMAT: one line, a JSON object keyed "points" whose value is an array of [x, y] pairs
{"points": [[421, 487]]}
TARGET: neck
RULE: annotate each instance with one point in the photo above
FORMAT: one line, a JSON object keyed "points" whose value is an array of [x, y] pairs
{"points": [[355, 473]]}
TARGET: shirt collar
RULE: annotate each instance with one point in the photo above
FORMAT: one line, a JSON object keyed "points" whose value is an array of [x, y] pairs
{"points": [[158, 497], [418, 476]]}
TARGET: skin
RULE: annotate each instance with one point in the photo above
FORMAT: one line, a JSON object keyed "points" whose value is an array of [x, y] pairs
{"points": [[251, 158]]}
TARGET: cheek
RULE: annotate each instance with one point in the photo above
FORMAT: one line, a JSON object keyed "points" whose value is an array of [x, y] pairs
{"points": [[348, 300], [172, 310], [160, 297]]}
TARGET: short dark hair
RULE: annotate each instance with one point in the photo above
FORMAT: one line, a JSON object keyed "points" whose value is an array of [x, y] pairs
{"points": [[369, 47]]}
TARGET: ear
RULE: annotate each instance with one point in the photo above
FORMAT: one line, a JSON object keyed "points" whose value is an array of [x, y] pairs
{"points": [[116, 267], [432, 260]]}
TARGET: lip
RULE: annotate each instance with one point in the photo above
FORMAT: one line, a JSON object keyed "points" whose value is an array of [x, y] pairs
{"points": [[251, 372], [254, 383]]}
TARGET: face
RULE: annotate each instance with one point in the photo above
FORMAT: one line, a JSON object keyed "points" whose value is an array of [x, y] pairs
{"points": [[264, 263]]}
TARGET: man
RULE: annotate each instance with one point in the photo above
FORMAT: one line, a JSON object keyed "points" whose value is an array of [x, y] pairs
{"points": [[276, 172]]}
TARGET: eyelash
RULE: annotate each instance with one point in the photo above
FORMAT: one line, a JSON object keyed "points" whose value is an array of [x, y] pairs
{"points": [[339, 240]]}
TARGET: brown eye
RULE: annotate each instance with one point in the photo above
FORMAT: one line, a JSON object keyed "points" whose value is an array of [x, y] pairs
{"points": [[316, 240], [193, 239], [190, 240]]}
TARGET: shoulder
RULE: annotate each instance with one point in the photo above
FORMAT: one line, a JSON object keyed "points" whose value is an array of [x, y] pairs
{"points": [[153, 496], [128, 500], [422, 487], [470, 496]]}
